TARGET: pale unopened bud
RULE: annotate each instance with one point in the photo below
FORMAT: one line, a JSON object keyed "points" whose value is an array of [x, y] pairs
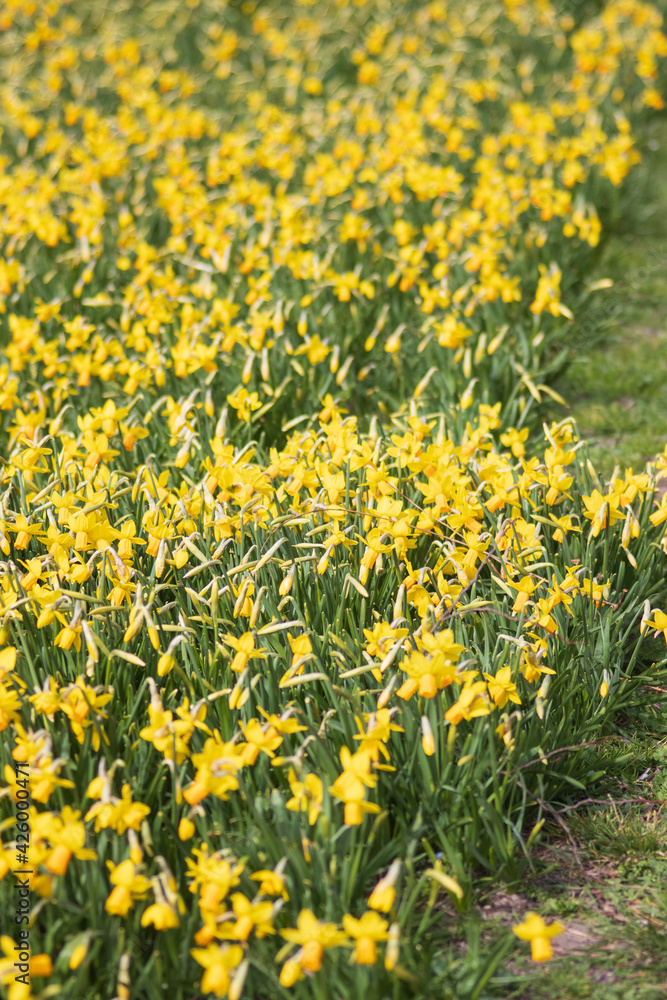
{"points": [[627, 528], [428, 740], [391, 954], [398, 603], [466, 398], [91, 645], [256, 607], [239, 694], [240, 600], [603, 513], [341, 375], [544, 686], [479, 350], [161, 558], [286, 583], [645, 616], [423, 383], [246, 374], [385, 695], [221, 426], [334, 360], [383, 895], [236, 986]]}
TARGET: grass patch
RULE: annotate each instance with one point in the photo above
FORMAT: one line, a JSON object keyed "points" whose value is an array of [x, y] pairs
{"points": [[616, 382]]}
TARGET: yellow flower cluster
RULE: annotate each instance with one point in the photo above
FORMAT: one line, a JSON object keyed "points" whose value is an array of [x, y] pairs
{"points": [[239, 245]]}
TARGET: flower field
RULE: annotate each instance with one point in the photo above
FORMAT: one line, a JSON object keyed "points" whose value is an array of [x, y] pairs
{"points": [[308, 618]]}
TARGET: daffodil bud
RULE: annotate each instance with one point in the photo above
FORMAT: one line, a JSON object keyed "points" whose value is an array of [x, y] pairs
{"points": [[428, 740], [646, 615], [240, 600], [134, 626], [544, 686], [246, 374], [495, 343], [423, 383], [165, 664], [236, 986], [393, 944], [290, 973], [466, 398], [385, 695], [287, 581], [161, 557], [221, 426], [604, 686], [479, 350], [400, 600], [91, 645], [78, 955], [334, 360], [451, 742], [428, 622], [186, 828], [625, 537], [256, 607], [341, 374]]}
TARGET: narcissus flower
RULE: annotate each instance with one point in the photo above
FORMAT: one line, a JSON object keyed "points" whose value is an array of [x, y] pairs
{"points": [[307, 795], [315, 938], [245, 650], [383, 895], [67, 836], [602, 510], [659, 622], [535, 930], [272, 882], [367, 932], [219, 961], [129, 886], [350, 786], [472, 703], [161, 915], [501, 687]]}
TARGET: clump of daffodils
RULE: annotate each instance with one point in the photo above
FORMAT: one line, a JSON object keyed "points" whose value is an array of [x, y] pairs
{"points": [[281, 582]]}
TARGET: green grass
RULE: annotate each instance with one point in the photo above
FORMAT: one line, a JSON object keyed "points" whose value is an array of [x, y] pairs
{"points": [[614, 906], [617, 380], [617, 388], [604, 875]]}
